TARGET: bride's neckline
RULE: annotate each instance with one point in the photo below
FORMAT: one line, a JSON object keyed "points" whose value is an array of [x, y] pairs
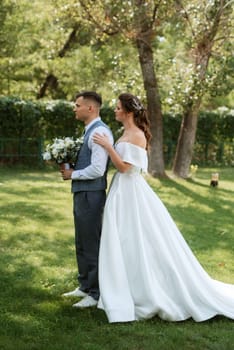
{"points": [[129, 143]]}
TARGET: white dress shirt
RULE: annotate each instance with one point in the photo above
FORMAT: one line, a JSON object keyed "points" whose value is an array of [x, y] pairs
{"points": [[99, 155]]}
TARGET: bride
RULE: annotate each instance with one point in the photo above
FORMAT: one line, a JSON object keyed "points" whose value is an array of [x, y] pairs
{"points": [[146, 268]]}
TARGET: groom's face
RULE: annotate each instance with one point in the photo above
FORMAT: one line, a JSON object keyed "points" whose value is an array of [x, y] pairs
{"points": [[82, 109], [86, 109]]}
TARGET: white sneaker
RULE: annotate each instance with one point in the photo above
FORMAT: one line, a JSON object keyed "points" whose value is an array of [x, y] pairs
{"points": [[75, 293], [88, 301]]}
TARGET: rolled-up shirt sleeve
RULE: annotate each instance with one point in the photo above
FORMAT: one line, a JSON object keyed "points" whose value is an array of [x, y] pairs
{"points": [[99, 158]]}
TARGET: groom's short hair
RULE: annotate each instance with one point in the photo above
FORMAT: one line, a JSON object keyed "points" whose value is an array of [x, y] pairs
{"points": [[90, 95]]}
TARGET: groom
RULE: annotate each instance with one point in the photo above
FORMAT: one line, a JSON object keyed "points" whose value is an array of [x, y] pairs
{"points": [[89, 194]]}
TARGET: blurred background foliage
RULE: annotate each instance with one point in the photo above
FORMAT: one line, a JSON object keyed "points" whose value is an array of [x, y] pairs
{"points": [[52, 45], [51, 49]]}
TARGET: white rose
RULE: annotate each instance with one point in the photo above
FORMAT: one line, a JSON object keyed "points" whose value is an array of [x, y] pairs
{"points": [[46, 156], [55, 153]]}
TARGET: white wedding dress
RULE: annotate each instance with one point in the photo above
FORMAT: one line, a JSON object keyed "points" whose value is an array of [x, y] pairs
{"points": [[145, 266]]}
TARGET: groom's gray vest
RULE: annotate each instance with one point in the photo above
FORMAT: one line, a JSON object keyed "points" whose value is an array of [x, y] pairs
{"points": [[84, 160]]}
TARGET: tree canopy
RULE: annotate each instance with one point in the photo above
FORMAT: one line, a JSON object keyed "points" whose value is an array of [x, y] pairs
{"points": [[175, 55], [34, 40]]}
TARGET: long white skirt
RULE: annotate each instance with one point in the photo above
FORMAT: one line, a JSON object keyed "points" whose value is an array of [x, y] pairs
{"points": [[146, 268]]}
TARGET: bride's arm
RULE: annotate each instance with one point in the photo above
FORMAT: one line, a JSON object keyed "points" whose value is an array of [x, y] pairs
{"points": [[103, 140]]}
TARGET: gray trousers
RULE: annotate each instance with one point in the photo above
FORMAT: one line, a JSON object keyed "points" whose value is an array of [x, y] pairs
{"points": [[88, 209]]}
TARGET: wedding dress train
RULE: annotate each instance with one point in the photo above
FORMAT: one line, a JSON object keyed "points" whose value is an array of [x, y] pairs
{"points": [[146, 268]]}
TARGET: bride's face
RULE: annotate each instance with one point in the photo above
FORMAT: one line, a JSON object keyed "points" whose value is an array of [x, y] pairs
{"points": [[120, 113]]}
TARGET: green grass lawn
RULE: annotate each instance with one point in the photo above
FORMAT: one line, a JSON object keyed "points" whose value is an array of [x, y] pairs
{"points": [[37, 263]]}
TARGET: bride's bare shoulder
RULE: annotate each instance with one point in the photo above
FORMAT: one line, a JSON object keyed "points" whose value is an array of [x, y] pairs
{"points": [[138, 138]]}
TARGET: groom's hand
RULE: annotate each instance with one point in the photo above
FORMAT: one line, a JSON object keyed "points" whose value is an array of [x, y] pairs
{"points": [[66, 173]]}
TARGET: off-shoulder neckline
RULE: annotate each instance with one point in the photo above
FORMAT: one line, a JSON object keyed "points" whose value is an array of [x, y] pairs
{"points": [[132, 144]]}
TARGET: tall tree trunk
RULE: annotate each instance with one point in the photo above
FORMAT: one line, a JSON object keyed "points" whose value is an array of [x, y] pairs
{"points": [[188, 128], [145, 18], [156, 158], [187, 135], [186, 140]]}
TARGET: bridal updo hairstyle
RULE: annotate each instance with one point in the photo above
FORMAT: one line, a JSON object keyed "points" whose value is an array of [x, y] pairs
{"points": [[131, 103]]}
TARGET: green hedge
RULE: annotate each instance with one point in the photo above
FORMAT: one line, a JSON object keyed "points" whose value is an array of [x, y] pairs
{"points": [[19, 118], [22, 119], [213, 126], [27, 121], [47, 119]]}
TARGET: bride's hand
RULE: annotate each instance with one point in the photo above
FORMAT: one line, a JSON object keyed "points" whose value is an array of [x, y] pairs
{"points": [[102, 140]]}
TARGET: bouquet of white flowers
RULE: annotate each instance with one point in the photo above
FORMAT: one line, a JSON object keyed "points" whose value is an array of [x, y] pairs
{"points": [[63, 150]]}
